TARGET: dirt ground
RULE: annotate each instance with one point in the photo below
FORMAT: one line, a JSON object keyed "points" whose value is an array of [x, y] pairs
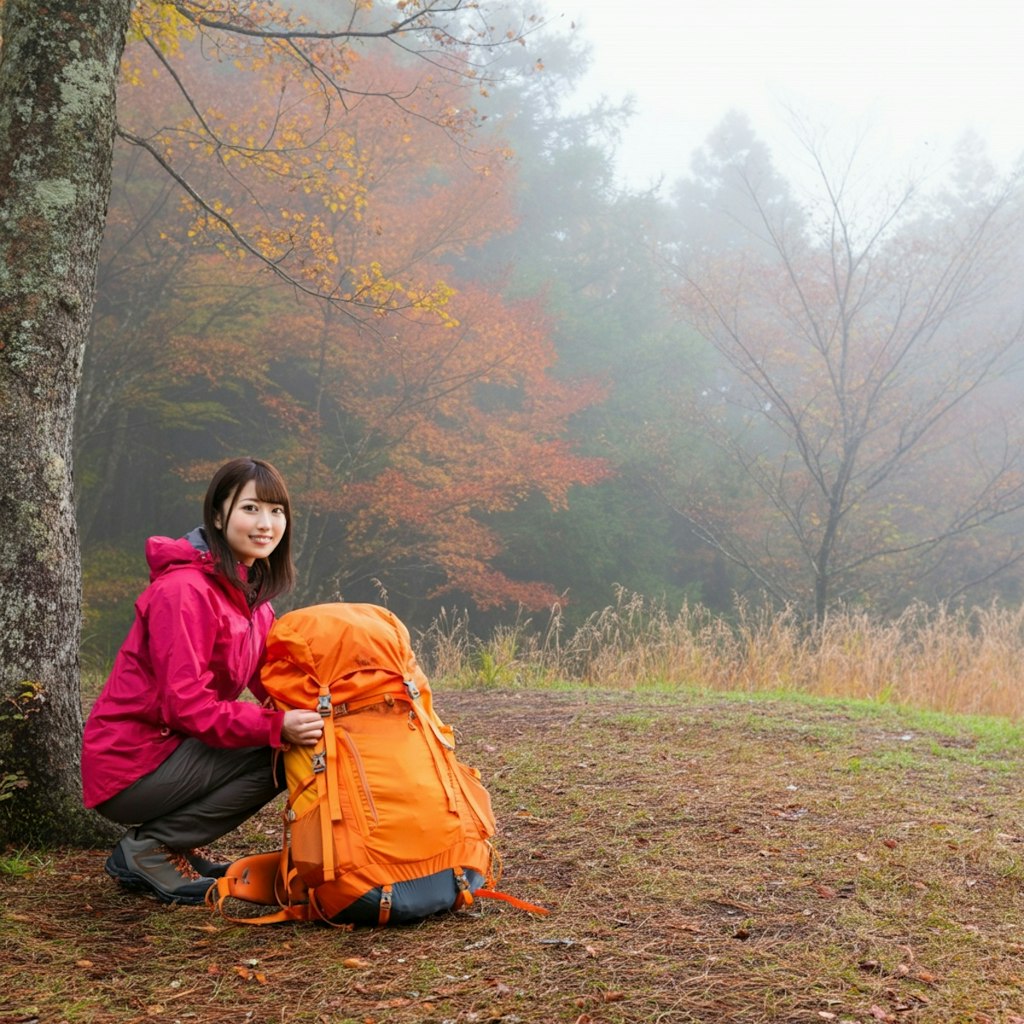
{"points": [[711, 859]]}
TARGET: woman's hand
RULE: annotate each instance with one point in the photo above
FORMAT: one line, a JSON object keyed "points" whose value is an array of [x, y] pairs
{"points": [[301, 727]]}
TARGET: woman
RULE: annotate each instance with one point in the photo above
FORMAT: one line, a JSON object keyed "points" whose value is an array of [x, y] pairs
{"points": [[168, 747]]}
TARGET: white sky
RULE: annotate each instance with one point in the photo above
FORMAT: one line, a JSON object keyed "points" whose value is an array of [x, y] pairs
{"points": [[916, 73]]}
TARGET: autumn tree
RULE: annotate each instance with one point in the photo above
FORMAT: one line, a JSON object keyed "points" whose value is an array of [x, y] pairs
{"points": [[870, 348], [404, 414], [59, 67], [584, 246]]}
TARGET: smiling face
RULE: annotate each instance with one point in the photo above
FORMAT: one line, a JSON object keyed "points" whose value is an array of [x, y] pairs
{"points": [[253, 528]]}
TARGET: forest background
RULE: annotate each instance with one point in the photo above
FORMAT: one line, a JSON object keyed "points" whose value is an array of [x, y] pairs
{"points": [[538, 389], [498, 382]]}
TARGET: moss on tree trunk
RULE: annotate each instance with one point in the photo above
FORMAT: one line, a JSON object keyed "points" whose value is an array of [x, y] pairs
{"points": [[58, 75]]}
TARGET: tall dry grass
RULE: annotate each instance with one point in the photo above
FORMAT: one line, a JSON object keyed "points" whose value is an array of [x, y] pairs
{"points": [[952, 660]]}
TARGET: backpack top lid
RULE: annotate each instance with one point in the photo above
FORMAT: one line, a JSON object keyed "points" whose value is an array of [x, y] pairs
{"points": [[324, 644]]}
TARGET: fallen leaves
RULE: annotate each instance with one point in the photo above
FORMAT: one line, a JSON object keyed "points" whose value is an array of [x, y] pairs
{"points": [[899, 971], [530, 819], [791, 812], [601, 999], [247, 973]]}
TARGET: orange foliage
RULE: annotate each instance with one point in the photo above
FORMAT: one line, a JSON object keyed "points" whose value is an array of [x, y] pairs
{"points": [[409, 402]]}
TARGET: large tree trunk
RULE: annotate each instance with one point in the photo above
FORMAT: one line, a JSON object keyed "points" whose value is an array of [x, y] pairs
{"points": [[58, 74]]}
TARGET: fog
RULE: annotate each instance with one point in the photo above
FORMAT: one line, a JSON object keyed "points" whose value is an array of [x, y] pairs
{"points": [[914, 75], [509, 383]]}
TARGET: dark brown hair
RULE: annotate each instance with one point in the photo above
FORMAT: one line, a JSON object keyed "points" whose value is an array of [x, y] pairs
{"points": [[268, 576]]}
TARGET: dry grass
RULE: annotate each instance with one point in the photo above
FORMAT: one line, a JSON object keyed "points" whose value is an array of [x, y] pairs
{"points": [[706, 858], [964, 661]]}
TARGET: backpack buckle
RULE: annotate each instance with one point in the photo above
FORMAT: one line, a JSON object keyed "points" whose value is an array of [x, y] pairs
{"points": [[464, 896], [413, 689], [384, 907], [319, 762], [323, 705]]}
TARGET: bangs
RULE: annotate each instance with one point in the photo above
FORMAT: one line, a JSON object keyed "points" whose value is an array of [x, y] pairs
{"points": [[269, 486]]}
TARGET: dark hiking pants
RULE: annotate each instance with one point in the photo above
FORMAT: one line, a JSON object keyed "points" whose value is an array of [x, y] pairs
{"points": [[197, 795]]}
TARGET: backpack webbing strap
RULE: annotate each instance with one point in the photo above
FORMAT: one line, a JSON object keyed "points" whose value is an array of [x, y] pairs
{"points": [[467, 792], [327, 786], [296, 912], [493, 894], [464, 897], [444, 774], [286, 876], [426, 719], [317, 913]]}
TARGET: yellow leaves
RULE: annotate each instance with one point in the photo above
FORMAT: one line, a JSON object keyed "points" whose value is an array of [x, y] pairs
{"points": [[373, 287], [321, 246], [160, 23]]}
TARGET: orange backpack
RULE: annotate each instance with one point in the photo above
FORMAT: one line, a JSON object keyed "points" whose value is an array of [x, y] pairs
{"points": [[383, 823]]}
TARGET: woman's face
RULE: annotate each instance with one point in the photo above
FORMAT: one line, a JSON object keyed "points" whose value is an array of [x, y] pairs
{"points": [[254, 528]]}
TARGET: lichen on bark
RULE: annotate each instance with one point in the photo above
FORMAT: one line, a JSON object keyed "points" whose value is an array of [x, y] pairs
{"points": [[58, 77]]}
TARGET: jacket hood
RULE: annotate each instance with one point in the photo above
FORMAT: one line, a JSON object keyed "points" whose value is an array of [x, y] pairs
{"points": [[165, 554]]}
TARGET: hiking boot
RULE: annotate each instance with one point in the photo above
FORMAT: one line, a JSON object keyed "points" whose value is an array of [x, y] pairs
{"points": [[205, 866], [144, 865]]}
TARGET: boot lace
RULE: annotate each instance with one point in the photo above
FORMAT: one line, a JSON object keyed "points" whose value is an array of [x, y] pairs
{"points": [[180, 863]]}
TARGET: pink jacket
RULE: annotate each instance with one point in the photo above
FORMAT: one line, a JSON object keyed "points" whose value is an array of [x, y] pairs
{"points": [[194, 646]]}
